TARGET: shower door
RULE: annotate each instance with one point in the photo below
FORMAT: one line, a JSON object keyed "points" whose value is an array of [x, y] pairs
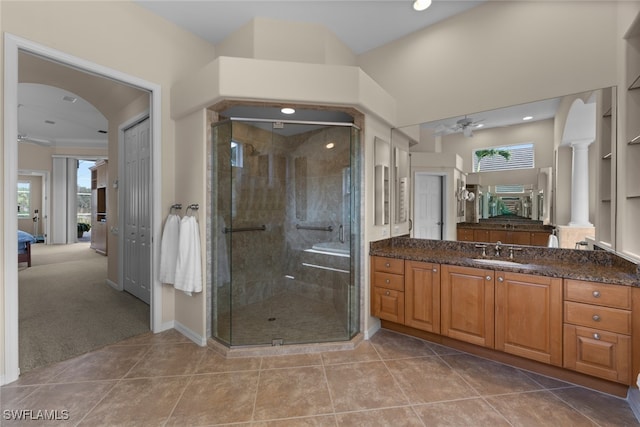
{"points": [[284, 232]]}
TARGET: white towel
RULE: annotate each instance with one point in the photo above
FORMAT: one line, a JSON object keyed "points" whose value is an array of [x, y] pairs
{"points": [[553, 241], [188, 267], [169, 249]]}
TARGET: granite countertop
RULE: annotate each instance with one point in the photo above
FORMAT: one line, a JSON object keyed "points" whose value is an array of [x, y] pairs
{"points": [[596, 266]]}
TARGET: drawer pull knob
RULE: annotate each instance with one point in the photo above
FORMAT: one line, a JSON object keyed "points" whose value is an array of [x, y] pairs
{"points": [[388, 281], [500, 279], [596, 294], [435, 270], [488, 277], [596, 318], [387, 265], [596, 336], [387, 293]]}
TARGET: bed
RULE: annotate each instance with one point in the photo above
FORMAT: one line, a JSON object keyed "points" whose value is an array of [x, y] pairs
{"points": [[24, 247]]}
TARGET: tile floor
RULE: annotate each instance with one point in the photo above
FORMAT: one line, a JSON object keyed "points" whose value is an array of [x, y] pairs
{"points": [[391, 380]]}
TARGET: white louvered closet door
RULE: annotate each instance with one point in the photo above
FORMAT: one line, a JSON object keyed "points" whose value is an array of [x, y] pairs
{"points": [[137, 212]]}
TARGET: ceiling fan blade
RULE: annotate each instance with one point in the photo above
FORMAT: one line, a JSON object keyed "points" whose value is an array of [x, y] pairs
{"points": [[38, 141]]}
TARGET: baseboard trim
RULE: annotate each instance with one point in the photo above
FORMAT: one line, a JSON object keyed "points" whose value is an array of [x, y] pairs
{"points": [[372, 330], [164, 327], [196, 338], [634, 401], [114, 285]]}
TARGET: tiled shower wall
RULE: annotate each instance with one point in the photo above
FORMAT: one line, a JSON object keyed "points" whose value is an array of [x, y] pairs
{"points": [[283, 182]]}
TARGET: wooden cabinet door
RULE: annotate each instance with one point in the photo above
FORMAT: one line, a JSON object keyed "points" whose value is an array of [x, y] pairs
{"points": [[497, 236], [529, 316], [539, 238], [598, 353], [465, 234], [519, 238], [467, 304], [480, 235], [387, 304], [422, 296]]}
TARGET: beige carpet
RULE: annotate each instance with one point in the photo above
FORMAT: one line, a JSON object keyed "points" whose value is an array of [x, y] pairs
{"points": [[67, 309]]}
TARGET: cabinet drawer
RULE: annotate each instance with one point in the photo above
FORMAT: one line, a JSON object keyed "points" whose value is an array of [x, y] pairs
{"points": [[388, 265], [598, 293], [388, 304], [388, 281], [602, 354], [597, 317]]}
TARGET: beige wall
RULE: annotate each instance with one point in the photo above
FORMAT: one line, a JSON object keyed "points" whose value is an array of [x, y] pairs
{"points": [[539, 132], [265, 38], [121, 36], [496, 55], [191, 161]]}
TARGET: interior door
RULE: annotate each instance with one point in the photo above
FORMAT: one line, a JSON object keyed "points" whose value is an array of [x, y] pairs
{"points": [[137, 215], [428, 215]]}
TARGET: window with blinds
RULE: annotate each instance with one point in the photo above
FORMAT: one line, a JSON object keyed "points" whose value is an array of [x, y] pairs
{"points": [[506, 157]]}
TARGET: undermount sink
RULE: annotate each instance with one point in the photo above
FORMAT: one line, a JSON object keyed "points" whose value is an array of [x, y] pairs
{"points": [[496, 262]]}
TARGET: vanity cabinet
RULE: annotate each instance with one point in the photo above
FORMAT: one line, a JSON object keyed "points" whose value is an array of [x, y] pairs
{"points": [[387, 289], [467, 304], [422, 296], [597, 329], [466, 235], [529, 316], [506, 236]]}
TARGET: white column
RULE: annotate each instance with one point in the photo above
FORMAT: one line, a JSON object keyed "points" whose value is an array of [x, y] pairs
{"points": [[580, 184]]}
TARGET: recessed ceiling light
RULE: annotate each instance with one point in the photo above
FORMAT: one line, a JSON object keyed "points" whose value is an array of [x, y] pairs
{"points": [[330, 145], [479, 125], [287, 110], [527, 118], [421, 5]]}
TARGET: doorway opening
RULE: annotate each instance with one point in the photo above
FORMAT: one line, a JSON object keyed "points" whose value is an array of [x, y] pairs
{"points": [[14, 48]]}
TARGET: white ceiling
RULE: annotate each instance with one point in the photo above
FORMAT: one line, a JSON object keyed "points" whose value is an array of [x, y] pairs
{"points": [[361, 24]]}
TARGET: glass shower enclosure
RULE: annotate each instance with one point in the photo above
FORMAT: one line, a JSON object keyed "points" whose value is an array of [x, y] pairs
{"points": [[284, 232]]}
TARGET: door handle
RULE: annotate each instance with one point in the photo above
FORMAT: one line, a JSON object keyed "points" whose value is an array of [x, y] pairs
{"points": [[341, 233]]}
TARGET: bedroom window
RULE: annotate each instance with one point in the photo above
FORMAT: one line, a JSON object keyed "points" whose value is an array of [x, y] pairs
{"points": [[24, 199], [506, 157]]}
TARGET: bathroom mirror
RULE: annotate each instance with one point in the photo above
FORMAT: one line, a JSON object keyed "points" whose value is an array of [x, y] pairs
{"points": [[548, 178], [382, 189]]}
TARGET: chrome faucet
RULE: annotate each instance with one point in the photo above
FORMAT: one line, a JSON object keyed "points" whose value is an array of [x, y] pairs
{"points": [[511, 250], [484, 249], [498, 247]]}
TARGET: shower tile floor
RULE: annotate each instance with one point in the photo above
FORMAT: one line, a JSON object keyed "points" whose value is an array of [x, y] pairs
{"points": [[391, 380], [287, 316]]}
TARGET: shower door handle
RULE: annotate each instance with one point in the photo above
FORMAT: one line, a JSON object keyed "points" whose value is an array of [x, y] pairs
{"points": [[341, 233]]}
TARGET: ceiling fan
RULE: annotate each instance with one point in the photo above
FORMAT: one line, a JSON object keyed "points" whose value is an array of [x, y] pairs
{"points": [[38, 141], [464, 125]]}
